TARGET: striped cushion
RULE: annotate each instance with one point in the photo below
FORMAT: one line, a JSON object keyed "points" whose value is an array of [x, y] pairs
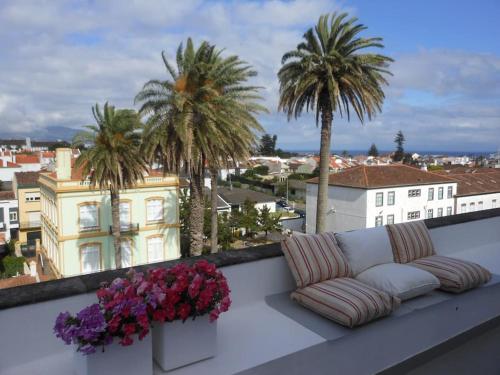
{"points": [[346, 301], [410, 241], [314, 257], [455, 275]]}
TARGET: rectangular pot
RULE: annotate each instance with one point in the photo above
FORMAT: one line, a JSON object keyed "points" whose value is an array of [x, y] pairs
{"points": [[116, 359], [177, 344]]}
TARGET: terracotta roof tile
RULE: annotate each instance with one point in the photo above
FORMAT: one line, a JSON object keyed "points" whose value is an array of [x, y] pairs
{"points": [[378, 176], [27, 159], [7, 195], [27, 178]]}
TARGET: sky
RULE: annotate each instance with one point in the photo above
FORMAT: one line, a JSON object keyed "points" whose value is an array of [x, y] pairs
{"points": [[58, 58]]}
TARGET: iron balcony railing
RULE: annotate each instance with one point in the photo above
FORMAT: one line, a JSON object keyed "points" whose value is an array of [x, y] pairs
{"points": [[30, 224], [126, 228]]}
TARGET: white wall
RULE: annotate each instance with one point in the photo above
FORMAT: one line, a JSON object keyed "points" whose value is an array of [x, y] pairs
{"points": [[353, 208], [346, 208], [487, 200], [6, 205], [404, 204], [270, 205], [7, 174]]}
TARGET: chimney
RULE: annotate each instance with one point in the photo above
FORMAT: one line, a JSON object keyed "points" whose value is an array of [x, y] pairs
{"points": [[63, 163], [423, 167]]}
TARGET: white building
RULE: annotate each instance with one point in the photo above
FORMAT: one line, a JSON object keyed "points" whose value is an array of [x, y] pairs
{"points": [[9, 222], [369, 196], [235, 197], [477, 190]]}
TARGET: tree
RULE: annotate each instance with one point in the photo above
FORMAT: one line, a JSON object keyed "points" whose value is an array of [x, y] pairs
{"points": [[268, 145], [59, 144], [114, 161], [268, 222], [399, 154], [198, 116], [327, 73], [373, 151], [345, 154], [249, 217], [263, 170]]}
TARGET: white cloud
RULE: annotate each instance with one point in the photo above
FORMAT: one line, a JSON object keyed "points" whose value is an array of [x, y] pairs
{"points": [[64, 56]]}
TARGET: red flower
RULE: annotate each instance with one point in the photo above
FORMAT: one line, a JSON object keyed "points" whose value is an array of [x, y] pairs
{"points": [[126, 341], [129, 328], [184, 310], [160, 315]]}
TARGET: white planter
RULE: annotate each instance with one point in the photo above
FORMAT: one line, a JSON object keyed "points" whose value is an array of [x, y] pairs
{"points": [[116, 359], [177, 344]]}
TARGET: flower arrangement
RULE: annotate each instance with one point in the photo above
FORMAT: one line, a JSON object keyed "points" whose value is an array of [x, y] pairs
{"points": [[128, 306], [183, 291]]}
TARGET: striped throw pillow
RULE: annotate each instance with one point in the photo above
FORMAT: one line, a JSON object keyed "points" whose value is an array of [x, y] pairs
{"points": [[455, 275], [346, 301], [314, 257], [410, 241]]}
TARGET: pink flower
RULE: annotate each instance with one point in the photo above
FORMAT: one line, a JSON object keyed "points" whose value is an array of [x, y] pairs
{"points": [[184, 310], [126, 341]]}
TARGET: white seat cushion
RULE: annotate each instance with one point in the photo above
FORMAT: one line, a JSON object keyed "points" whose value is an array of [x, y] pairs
{"points": [[365, 248], [399, 280]]}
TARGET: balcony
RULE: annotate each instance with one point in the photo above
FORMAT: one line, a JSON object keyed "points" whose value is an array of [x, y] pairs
{"points": [[266, 333], [126, 228], [33, 224]]}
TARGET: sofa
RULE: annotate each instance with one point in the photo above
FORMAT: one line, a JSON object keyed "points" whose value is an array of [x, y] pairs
{"points": [[356, 277]]}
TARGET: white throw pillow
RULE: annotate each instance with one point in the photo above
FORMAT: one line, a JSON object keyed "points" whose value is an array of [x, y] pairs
{"points": [[399, 280], [365, 248]]}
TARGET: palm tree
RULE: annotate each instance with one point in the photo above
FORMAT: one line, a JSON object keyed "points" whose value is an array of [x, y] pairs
{"points": [[327, 73], [113, 162], [194, 117]]}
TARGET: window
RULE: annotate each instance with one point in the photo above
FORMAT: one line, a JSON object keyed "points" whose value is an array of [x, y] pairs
{"points": [[125, 215], [440, 192], [472, 207], [414, 193], [450, 191], [89, 217], [494, 203], [12, 215], [154, 210], [379, 221], [391, 198], [463, 208], [440, 212], [430, 195], [413, 215], [379, 199], [90, 258], [155, 249], [126, 247], [480, 206], [390, 219], [430, 213], [449, 211], [32, 197]]}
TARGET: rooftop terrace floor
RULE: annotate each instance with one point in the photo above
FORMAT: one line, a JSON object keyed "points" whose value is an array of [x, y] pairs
{"points": [[266, 333]]}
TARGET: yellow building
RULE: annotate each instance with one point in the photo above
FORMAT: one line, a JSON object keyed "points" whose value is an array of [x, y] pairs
{"points": [[76, 221], [27, 191]]}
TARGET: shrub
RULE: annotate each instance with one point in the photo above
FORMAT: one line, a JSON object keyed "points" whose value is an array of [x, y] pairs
{"points": [[12, 266]]}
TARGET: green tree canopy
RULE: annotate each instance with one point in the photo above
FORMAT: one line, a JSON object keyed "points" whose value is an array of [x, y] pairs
{"points": [[373, 151]]}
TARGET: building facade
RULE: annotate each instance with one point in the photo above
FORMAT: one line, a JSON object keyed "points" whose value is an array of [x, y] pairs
{"points": [[9, 222], [27, 191], [369, 196], [76, 221]]}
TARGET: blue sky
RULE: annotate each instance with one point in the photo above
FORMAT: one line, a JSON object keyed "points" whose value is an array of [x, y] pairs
{"points": [[60, 57]]}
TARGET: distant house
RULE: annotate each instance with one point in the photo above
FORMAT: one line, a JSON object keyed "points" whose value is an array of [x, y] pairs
{"points": [[27, 191], [222, 205], [235, 197], [369, 196], [9, 222], [8, 169]]}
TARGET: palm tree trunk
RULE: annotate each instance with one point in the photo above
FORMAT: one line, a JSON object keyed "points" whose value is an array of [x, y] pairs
{"points": [[213, 225], [324, 170], [115, 227], [196, 214]]}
